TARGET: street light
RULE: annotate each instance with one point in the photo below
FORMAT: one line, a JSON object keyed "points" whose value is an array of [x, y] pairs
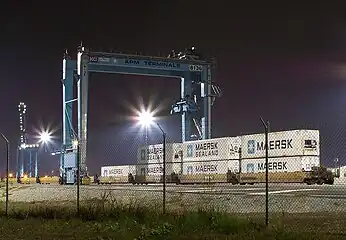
{"points": [[45, 137], [146, 118], [266, 132], [7, 168]]}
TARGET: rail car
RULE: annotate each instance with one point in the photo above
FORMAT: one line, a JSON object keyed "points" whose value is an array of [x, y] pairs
{"points": [[317, 175], [294, 157], [136, 179], [115, 179]]}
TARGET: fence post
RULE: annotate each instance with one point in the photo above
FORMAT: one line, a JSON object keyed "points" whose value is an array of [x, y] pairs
{"points": [[7, 170], [164, 167], [164, 172], [78, 177], [266, 128]]}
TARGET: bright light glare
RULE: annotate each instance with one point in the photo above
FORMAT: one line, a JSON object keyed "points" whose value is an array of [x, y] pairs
{"points": [[75, 143], [145, 118], [45, 137]]}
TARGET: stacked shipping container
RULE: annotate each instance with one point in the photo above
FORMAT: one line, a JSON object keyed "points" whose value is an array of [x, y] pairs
{"points": [[288, 151], [210, 160], [149, 166]]}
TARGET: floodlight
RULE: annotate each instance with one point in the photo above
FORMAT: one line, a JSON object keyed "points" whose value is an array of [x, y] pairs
{"points": [[75, 143], [45, 137], [145, 118]]}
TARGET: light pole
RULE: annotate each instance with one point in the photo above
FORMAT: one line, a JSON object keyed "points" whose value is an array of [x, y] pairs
{"points": [[45, 138], [146, 119], [7, 169], [266, 130], [75, 145]]}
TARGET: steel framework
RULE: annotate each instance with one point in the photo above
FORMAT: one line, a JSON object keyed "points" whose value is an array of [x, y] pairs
{"points": [[196, 98]]}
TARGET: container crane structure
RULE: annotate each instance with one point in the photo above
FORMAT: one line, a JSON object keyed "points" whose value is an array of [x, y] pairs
{"points": [[26, 152], [197, 94]]}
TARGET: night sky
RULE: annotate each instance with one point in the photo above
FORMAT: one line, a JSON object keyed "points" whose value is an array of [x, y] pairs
{"points": [[286, 63]]}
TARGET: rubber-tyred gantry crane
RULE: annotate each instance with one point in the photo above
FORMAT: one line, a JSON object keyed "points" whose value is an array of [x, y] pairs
{"points": [[197, 95]]}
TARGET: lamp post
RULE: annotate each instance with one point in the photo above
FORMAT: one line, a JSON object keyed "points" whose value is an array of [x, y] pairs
{"points": [[7, 169], [146, 119], [45, 138], [75, 144], [266, 130]]}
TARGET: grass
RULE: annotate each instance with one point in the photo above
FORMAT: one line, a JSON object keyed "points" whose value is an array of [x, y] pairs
{"points": [[110, 219]]}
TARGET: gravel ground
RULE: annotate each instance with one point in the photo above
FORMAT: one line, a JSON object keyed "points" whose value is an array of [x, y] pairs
{"points": [[240, 203]]}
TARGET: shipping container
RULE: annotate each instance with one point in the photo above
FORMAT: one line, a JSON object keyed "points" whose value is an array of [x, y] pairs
{"points": [[280, 164], [153, 169], [283, 143], [154, 153], [210, 167], [208, 171], [117, 174], [116, 171], [212, 149], [153, 172], [281, 170]]}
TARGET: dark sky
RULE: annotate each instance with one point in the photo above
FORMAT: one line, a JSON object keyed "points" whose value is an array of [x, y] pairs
{"points": [[286, 63]]}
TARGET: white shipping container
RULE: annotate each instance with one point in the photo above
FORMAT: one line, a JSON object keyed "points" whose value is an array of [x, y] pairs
{"points": [[211, 167], [212, 149], [117, 171], [154, 169], [282, 164], [284, 143], [154, 153]]}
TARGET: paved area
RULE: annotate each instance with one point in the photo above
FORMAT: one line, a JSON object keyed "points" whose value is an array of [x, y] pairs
{"points": [[232, 198]]}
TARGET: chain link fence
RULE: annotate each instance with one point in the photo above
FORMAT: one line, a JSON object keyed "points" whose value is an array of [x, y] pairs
{"points": [[226, 174]]}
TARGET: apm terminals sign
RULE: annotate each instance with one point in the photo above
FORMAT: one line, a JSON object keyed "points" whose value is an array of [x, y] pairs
{"points": [[146, 63], [254, 146]]}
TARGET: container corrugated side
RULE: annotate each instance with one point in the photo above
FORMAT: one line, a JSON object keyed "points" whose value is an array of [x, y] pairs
{"points": [[212, 149], [281, 164], [153, 169], [206, 167], [154, 153], [284, 143], [114, 171]]}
